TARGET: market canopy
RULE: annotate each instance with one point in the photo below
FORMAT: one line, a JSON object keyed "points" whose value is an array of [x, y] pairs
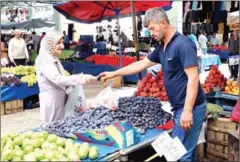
{"points": [[34, 24], [95, 11]]}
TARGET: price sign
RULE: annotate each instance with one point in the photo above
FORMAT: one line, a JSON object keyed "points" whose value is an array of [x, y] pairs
{"points": [[94, 50], [114, 48], [108, 46], [234, 60]]}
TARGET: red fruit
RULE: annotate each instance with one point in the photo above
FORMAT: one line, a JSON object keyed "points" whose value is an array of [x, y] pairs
{"points": [[159, 94], [150, 94], [215, 67], [164, 94], [152, 80], [161, 98], [145, 80], [157, 89], [149, 75], [154, 85], [143, 94], [136, 93], [160, 83], [155, 95], [148, 85], [146, 89], [140, 89], [165, 98]]}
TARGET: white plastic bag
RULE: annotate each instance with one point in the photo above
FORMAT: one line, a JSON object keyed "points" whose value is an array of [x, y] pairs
{"points": [[105, 98], [76, 100]]}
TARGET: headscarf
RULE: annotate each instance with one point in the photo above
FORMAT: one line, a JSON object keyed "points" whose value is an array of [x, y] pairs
{"points": [[47, 51]]}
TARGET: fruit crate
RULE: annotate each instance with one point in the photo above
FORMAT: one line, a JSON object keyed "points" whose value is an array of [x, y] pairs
{"points": [[13, 106], [229, 96], [217, 138], [233, 146], [2, 108]]}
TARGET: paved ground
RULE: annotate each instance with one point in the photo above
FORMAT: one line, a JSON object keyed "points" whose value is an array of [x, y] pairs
{"points": [[29, 119]]}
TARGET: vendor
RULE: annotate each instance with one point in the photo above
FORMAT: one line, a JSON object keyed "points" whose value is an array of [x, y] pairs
{"points": [[233, 47], [51, 79], [202, 39], [178, 57]]}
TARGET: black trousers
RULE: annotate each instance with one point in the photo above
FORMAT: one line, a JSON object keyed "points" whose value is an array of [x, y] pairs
{"points": [[20, 61], [234, 70]]}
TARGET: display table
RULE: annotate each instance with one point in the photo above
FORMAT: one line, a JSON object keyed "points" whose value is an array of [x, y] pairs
{"points": [[18, 92], [222, 54], [209, 60]]}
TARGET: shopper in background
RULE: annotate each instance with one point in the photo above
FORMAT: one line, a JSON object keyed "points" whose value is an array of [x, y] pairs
{"points": [[39, 43], [66, 40], [178, 57], [36, 40], [4, 53], [233, 47], [51, 79], [193, 38], [214, 40], [202, 39], [17, 50]]}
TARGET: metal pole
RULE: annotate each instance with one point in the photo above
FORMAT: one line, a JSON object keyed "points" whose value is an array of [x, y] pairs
{"points": [[135, 34], [119, 42]]}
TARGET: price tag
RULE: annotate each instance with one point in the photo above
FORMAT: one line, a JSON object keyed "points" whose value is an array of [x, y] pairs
{"points": [[174, 150], [152, 49], [161, 142], [130, 138], [94, 50], [234, 60], [114, 48], [108, 46]]}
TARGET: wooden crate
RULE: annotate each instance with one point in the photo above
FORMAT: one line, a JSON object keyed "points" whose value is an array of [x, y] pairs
{"points": [[13, 106], [217, 138], [2, 108], [233, 146]]}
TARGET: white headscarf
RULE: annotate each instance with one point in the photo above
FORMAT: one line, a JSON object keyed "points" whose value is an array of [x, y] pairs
{"points": [[46, 52]]}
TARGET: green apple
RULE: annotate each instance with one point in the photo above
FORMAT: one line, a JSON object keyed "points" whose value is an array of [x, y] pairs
{"points": [[26, 142], [83, 153], [93, 154], [7, 154], [93, 148], [18, 140], [28, 134], [20, 153], [85, 145], [41, 140], [77, 145], [16, 158], [60, 142], [34, 135], [45, 145], [73, 156], [28, 149], [52, 138], [45, 134], [45, 160], [53, 146], [37, 149], [55, 159], [49, 154], [40, 155], [61, 150], [17, 148], [13, 135], [36, 143], [30, 157]]}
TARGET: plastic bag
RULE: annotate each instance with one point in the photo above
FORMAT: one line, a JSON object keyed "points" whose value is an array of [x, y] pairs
{"points": [[76, 100], [105, 98], [235, 113]]}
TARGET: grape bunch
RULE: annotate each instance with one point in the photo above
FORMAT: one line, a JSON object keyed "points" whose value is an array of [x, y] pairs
{"points": [[143, 112], [10, 80], [96, 118]]}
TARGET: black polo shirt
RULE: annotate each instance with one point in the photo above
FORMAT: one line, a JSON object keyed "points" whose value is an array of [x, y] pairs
{"points": [[179, 54]]}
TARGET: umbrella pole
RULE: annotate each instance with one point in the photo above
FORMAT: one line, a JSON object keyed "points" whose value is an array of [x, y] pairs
{"points": [[135, 35], [119, 42]]}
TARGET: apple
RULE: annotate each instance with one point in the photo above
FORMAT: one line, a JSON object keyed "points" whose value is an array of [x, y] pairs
{"points": [[45, 134], [49, 154], [18, 140], [13, 135], [73, 156], [30, 157], [36, 143], [7, 154], [28, 134], [26, 142], [93, 148], [28, 149], [83, 153], [52, 138], [53, 146], [16, 147], [93, 154], [34, 135], [17, 158], [45, 160], [40, 155], [45, 145], [61, 150], [37, 149], [60, 142], [20, 153]]}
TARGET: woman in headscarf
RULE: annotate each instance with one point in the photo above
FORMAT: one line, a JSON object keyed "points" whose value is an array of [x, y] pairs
{"points": [[51, 79]]}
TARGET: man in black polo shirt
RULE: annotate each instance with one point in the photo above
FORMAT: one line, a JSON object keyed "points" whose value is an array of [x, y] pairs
{"points": [[178, 57]]}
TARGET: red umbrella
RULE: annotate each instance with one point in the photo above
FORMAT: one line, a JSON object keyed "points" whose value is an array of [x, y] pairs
{"points": [[95, 11]]}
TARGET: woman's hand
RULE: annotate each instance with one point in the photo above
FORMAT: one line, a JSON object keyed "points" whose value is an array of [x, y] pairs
{"points": [[89, 78]]}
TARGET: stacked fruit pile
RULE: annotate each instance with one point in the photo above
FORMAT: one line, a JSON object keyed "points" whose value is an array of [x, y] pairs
{"points": [[29, 79], [151, 86], [41, 146], [214, 79], [143, 112], [232, 88], [19, 70], [10, 80]]}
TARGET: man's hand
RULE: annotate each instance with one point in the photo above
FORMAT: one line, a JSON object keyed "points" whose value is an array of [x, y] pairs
{"points": [[89, 78], [106, 75], [186, 120]]}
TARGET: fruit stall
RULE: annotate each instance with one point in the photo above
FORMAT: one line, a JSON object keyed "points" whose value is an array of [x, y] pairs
{"points": [[221, 51]]}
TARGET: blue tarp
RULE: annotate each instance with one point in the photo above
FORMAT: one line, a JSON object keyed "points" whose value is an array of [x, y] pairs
{"points": [[95, 70], [18, 92]]}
